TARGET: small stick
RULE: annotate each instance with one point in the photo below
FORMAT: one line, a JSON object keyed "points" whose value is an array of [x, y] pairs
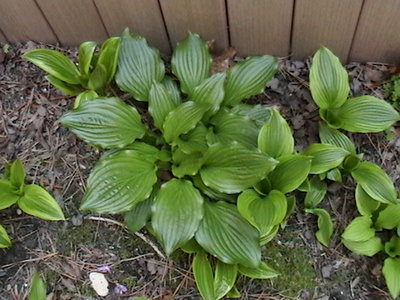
{"points": [[30, 260]]}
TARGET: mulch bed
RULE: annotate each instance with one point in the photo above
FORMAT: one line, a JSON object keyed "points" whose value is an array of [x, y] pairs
{"points": [[66, 251]]}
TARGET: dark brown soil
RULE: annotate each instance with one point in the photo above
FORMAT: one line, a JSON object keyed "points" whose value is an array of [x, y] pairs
{"points": [[65, 252]]}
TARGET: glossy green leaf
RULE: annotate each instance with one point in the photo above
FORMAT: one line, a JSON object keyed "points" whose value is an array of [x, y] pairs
{"points": [[336, 138], [182, 119], [360, 229], [109, 56], [389, 218], [329, 82], [391, 271], [234, 293], [365, 114], [334, 175], [225, 277], [17, 173], [325, 225], [351, 162], [106, 122], [137, 217], [366, 205], [275, 137], [203, 275], [269, 236], [210, 91], [212, 194], [368, 248], [191, 62], [36, 201], [86, 51], [85, 96], [119, 181], [37, 289], [248, 78], [67, 88], [55, 63], [191, 247], [290, 173], [224, 233], [259, 114], [98, 78], [160, 103], [139, 65], [173, 89], [228, 127], [262, 272], [194, 140], [392, 248], [316, 192], [177, 212], [8, 194], [186, 164], [232, 168], [5, 241], [325, 157], [375, 182]]}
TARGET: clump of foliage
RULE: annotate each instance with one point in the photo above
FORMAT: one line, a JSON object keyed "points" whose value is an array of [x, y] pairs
{"points": [[393, 89], [30, 198]]}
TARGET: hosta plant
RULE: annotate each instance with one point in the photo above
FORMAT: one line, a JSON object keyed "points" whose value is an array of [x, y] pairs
{"points": [[30, 198], [198, 168]]}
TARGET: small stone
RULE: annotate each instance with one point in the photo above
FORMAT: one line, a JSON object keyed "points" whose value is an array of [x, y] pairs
{"points": [[326, 271]]}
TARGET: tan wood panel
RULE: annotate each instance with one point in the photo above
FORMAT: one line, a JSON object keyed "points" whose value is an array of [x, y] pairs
{"points": [[2, 38], [205, 17], [141, 16], [260, 26], [74, 21], [377, 36], [22, 20], [324, 22]]}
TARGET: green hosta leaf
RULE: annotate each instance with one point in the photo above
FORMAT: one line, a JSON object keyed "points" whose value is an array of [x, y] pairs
{"points": [[177, 212], [182, 119], [203, 275], [389, 218], [368, 248], [109, 56], [139, 65], [85, 96], [8, 194], [360, 229], [98, 78], [67, 88], [336, 138], [268, 236], [5, 241], [248, 78], [54, 63], [228, 127], [209, 192], [225, 277], [17, 173], [194, 140], [191, 247], [262, 272], [329, 82], [375, 182], [234, 293], [351, 162], [86, 51], [365, 114], [147, 151], [275, 137], [137, 217], [225, 234], [160, 103], [36, 201], [391, 271], [186, 164], [392, 248], [210, 91], [232, 168], [316, 192], [259, 114], [37, 290], [365, 204], [290, 173], [119, 181], [106, 122], [334, 175], [173, 89], [191, 62], [325, 157], [325, 225]]}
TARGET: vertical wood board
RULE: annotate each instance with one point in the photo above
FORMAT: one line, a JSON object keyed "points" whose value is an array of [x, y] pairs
{"points": [[260, 26], [141, 16], [22, 20], [324, 23], [2, 38], [377, 36], [205, 17], [74, 21]]}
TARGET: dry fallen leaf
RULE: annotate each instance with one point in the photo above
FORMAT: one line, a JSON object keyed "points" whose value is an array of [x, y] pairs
{"points": [[99, 283]]}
